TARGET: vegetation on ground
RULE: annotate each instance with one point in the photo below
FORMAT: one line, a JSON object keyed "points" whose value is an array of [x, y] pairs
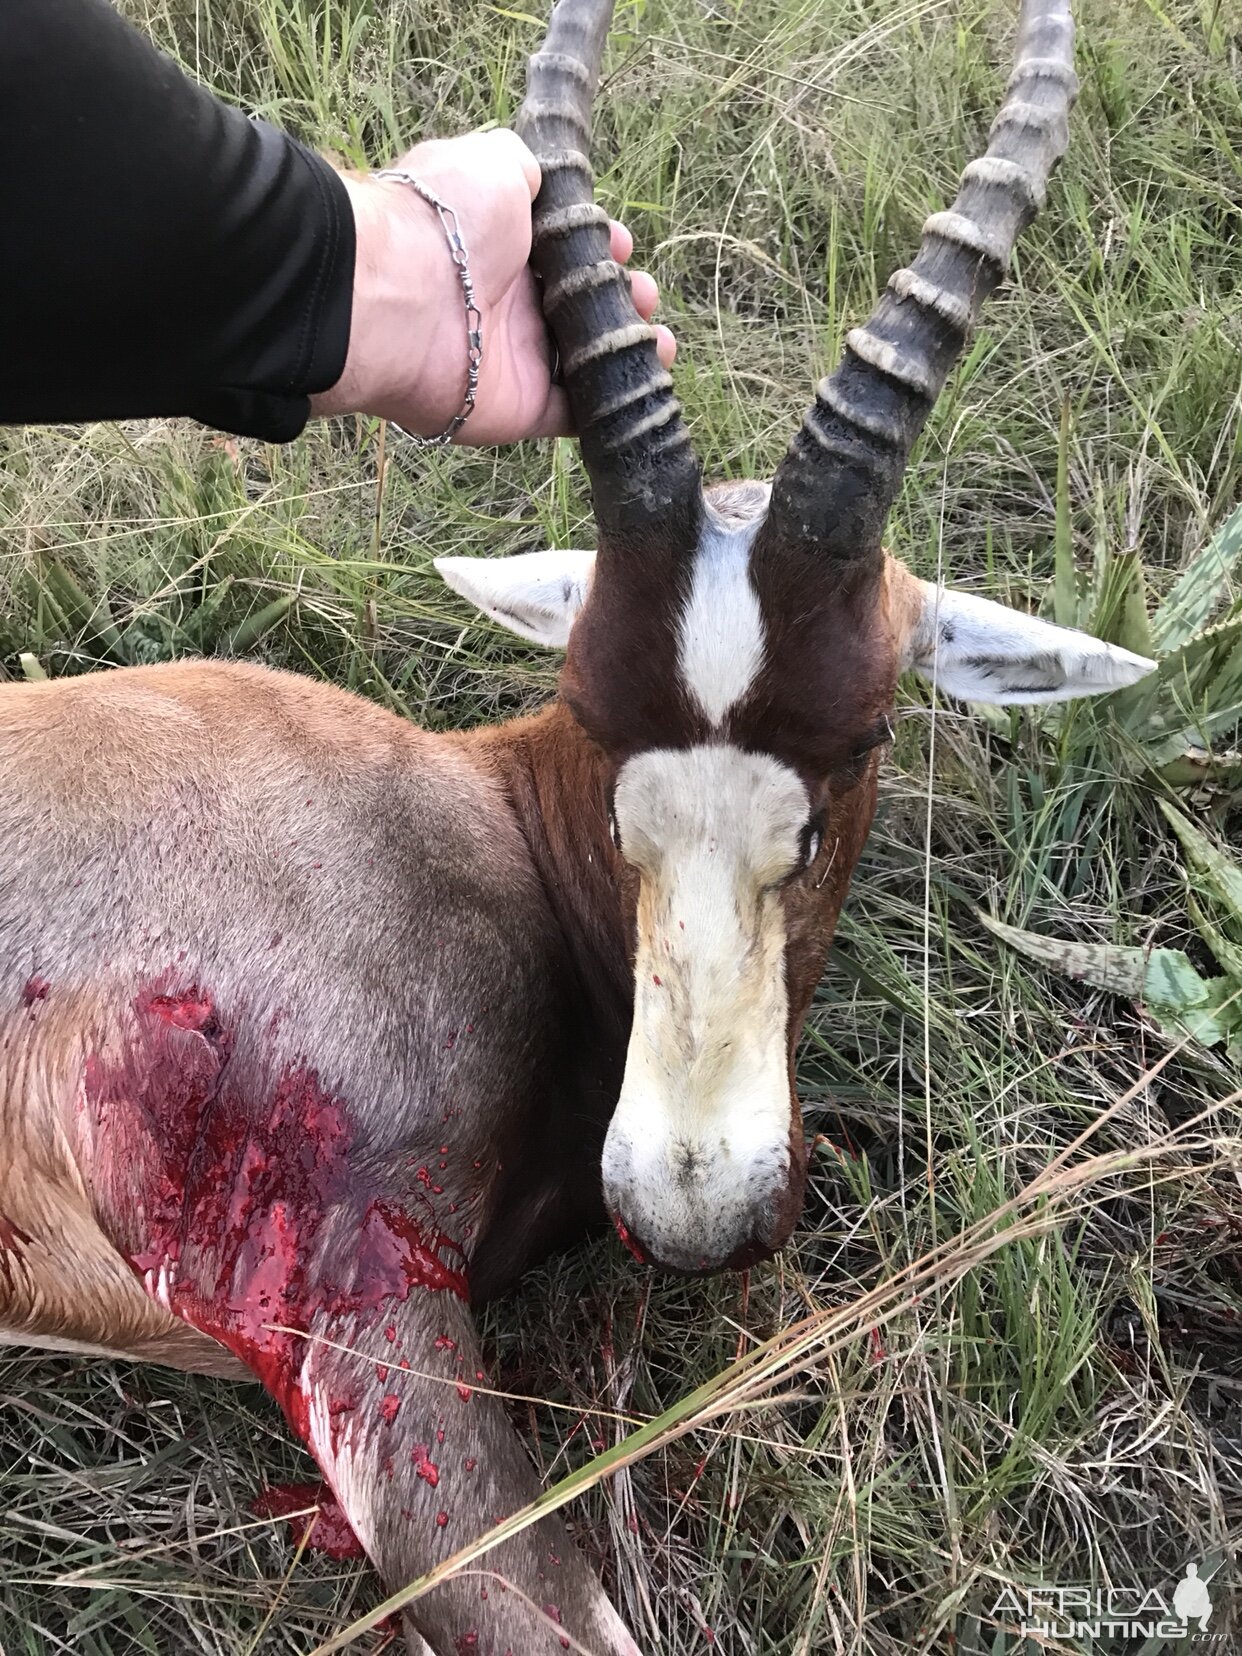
{"points": [[1007, 1348]]}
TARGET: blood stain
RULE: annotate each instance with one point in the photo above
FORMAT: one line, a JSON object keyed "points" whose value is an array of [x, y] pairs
{"points": [[424, 1466], [190, 1011], [34, 989], [554, 1612], [390, 1407], [628, 1240], [221, 1196], [327, 1531], [441, 1519]]}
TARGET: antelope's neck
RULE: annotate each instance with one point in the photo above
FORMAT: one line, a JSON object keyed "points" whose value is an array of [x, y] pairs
{"points": [[554, 777]]}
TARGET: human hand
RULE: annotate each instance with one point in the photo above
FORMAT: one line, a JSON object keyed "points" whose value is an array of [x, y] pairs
{"points": [[407, 344]]}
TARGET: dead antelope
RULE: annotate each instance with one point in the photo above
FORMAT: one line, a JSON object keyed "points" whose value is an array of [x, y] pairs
{"points": [[317, 1028]]}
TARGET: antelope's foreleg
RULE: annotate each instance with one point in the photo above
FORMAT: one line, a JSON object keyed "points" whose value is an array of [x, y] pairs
{"points": [[252, 1206], [423, 1459]]}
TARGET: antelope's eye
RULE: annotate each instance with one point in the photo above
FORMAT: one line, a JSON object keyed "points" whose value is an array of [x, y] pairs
{"points": [[880, 735], [812, 841]]}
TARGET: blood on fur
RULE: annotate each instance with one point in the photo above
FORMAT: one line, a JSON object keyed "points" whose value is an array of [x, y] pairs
{"points": [[235, 1202]]}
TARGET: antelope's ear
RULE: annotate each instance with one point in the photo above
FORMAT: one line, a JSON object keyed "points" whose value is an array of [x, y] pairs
{"points": [[537, 595], [984, 652]]}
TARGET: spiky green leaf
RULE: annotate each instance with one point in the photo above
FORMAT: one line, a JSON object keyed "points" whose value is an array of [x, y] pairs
{"points": [[1221, 872], [1209, 1009], [1208, 582]]}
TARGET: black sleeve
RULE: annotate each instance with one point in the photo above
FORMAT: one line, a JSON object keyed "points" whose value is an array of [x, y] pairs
{"points": [[160, 253]]}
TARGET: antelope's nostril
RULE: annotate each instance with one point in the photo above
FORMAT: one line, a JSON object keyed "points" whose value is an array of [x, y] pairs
{"points": [[630, 1242]]}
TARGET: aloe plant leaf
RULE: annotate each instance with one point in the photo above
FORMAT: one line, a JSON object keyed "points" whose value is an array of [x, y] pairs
{"points": [[1209, 1009], [1228, 954], [1198, 767], [1221, 872], [1120, 612], [1207, 582], [1193, 697], [248, 632]]}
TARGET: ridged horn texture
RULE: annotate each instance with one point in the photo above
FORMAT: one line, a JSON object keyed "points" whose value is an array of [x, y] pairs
{"points": [[636, 449], [835, 487]]}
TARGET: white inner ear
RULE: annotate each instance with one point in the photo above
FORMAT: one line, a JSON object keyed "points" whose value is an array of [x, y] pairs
{"points": [[985, 652], [536, 594]]}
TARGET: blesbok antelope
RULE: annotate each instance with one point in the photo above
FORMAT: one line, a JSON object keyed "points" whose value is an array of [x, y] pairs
{"points": [[317, 1027]]}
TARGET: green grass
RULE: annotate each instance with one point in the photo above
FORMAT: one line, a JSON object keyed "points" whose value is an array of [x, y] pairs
{"points": [[1067, 1411]]}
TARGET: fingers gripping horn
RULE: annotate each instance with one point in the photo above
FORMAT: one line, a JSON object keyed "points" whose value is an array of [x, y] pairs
{"points": [[834, 489], [636, 449]]}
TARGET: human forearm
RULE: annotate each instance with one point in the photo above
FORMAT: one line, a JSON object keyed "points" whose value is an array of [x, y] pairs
{"points": [[169, 256], [164, 254]]}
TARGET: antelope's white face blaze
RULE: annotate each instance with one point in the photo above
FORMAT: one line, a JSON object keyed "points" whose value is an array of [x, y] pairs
{"points": [[697, 1154]]}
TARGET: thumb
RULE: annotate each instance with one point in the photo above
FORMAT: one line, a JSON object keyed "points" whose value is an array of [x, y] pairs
{"points": [[523, 157]]}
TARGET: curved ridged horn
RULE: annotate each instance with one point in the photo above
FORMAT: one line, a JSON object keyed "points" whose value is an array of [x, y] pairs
{"points": [[634, 445], [834, 488]]}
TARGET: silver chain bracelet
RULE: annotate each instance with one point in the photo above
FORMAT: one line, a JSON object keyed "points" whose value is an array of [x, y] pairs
{"points": [[474, 319]]}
